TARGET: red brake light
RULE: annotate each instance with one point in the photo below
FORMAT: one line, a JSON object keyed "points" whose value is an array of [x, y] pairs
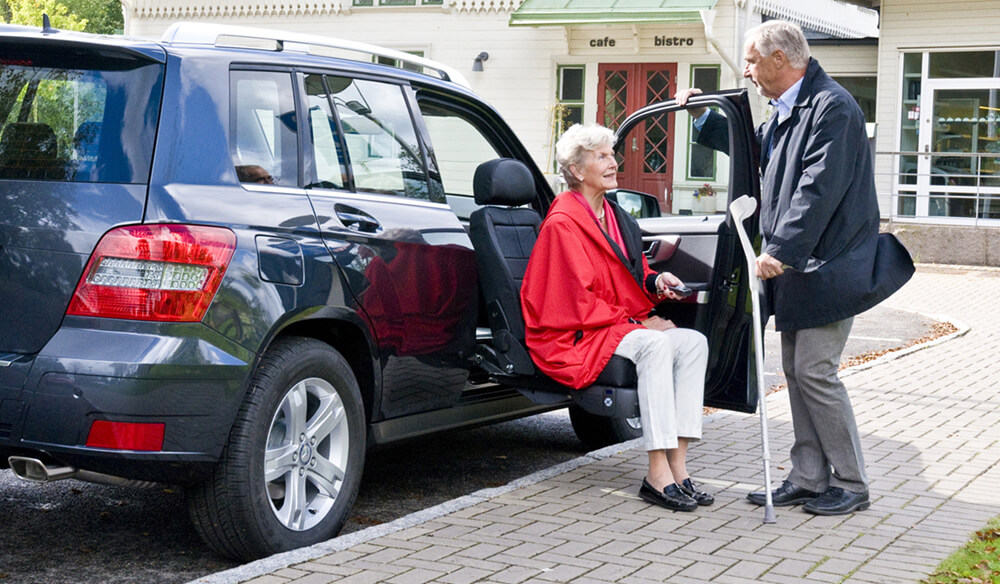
{"points": [[126, 435], [154, 272]]}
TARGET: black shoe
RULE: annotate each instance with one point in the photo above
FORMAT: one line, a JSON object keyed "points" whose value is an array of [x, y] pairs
{"points": [[700, 497], [784, 496], [671, 497], [837, 501]]}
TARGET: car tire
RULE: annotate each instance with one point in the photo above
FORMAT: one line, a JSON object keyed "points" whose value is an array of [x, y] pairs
{"points": [[301, 428], [600, 431]]}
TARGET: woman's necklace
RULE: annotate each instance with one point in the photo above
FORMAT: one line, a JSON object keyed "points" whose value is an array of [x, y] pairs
{"points": [[601, 216]]}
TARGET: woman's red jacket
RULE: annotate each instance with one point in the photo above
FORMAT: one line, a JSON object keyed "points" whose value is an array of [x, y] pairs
{"points": [[578, 296]]}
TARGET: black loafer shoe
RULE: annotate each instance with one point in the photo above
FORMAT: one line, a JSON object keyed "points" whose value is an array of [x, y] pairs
{"points": [[701, 497], [784, 496], [670, 498], [837, 501]]}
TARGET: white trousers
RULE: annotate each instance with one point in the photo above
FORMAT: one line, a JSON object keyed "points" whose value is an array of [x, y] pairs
{"points": [[671, 367]]}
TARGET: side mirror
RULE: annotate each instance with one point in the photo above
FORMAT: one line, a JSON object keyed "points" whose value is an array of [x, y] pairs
{"points": [[636, 204]]}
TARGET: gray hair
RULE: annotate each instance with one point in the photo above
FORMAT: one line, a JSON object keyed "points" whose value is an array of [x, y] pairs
{"points": [[574, 144], [780, 35]]}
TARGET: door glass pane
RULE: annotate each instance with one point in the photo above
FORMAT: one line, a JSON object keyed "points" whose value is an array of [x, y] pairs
{"points": [[656, 144], [615, 98], [327, 157], [965, 150], [657, 86], [382, 145]]}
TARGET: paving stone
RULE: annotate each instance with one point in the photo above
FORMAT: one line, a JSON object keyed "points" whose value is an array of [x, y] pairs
{"points": [[928, 425]]}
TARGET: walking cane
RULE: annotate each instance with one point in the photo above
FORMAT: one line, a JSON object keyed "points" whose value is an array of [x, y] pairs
{"points": [[741, 209]]}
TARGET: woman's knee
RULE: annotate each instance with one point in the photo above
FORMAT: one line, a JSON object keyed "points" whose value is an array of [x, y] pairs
{"points": [[690, 342]]}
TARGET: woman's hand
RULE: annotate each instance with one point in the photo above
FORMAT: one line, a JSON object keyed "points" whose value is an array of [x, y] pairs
{"points": [[663, 281], [658, 324]]}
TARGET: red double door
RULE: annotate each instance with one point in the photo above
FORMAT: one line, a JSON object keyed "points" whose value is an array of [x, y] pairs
{"points": [[647, 162]]}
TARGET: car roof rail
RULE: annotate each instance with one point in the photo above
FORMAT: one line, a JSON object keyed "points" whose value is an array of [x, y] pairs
{"points": [[197, 33]]}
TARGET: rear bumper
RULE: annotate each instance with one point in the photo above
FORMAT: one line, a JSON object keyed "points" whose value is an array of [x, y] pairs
{"points": [[186, 376]]}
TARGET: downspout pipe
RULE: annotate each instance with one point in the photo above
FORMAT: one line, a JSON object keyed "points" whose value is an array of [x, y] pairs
{"points": [[708, 18]]}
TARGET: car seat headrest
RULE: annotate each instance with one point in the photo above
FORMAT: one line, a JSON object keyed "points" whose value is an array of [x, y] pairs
{"points": [[504, 181]]}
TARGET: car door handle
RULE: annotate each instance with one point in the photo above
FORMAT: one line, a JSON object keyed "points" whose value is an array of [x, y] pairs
{"points": [[357, 220], [661, 248]]}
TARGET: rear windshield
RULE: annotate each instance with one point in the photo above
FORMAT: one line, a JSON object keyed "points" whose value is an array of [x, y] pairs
{"points": [[76, 115]]}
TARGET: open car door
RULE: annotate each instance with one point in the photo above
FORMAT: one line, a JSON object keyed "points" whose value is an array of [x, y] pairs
{"points": [[696, 240]]}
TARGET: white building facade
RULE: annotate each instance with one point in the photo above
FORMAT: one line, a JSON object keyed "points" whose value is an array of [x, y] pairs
{"points": [[545, 64]]}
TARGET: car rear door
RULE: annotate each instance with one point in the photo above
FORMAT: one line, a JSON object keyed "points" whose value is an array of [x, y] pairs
{"points": [[701, 246], [406, 257]]}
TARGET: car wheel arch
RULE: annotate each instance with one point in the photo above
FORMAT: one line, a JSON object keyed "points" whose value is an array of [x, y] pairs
{"points": [[344, 331]]}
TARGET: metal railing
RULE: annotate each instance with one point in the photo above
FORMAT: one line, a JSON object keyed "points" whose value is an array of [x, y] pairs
{"points": [[962, 188]]}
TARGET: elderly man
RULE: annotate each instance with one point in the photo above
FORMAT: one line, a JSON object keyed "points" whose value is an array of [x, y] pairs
{"points": [[822, 259]]}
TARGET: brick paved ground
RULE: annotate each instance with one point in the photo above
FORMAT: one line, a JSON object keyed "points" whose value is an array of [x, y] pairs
{"points": [[930, 422]]}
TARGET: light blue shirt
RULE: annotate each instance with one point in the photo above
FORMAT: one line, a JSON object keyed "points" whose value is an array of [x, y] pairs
{"points": [[700, 120], [786, 102]]}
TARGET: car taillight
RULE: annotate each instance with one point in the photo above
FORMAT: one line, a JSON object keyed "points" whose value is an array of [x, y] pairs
{"points": [[154, 272]]}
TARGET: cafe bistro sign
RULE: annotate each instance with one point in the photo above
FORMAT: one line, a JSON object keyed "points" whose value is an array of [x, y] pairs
{"points": [[659, 41]]}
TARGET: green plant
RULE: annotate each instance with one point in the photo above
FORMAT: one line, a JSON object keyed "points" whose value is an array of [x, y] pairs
{"points": [[978, 562]]}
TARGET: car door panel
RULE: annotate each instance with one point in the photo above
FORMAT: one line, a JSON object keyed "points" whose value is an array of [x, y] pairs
{"points": [[403, 252], [704, 252]]}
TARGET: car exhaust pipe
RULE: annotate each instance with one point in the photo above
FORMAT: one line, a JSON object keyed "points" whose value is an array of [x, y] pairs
{"points": [[38, 471]]}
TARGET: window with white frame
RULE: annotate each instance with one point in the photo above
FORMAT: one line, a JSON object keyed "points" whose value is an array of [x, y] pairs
{"points": [[947, 163], [702, 160]]}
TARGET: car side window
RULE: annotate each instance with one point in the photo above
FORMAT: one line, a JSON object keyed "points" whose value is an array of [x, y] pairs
{"points": [[459, 148], [264, 144], [382, 147], [328, 160]]}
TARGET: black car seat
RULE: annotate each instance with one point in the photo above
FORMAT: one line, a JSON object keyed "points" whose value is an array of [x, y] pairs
{"points": [[503, 233]]}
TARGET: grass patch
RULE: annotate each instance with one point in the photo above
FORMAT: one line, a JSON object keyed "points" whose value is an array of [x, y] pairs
{"points": [[976, 563]]}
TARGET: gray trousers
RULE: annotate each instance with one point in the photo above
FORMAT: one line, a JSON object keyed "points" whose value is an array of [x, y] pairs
{"points": [[827, 449], [671, 369]]}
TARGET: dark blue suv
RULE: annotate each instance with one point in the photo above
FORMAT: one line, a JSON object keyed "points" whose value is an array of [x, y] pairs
{"points": [[234, 260]]}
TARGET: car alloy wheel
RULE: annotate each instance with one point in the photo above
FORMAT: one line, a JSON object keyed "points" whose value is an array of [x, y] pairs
{"points": [[307, 451]]}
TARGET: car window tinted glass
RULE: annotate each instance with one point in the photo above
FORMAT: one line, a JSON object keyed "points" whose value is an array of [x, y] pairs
{"points": [[76, 117], [264, 127], [381, 142], [327, 159]]}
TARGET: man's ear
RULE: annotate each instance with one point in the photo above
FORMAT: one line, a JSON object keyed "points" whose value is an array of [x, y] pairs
{"points": [[779, 58]]}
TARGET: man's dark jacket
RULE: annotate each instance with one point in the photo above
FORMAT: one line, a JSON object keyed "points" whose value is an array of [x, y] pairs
{"points": [[819, 212]]}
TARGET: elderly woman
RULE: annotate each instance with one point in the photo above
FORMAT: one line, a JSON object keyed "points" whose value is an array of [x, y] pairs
{"points": [[587, 295]]}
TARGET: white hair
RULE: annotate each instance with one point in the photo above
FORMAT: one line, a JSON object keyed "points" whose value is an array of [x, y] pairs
{"points": [[780, 35], [575, 143]]}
